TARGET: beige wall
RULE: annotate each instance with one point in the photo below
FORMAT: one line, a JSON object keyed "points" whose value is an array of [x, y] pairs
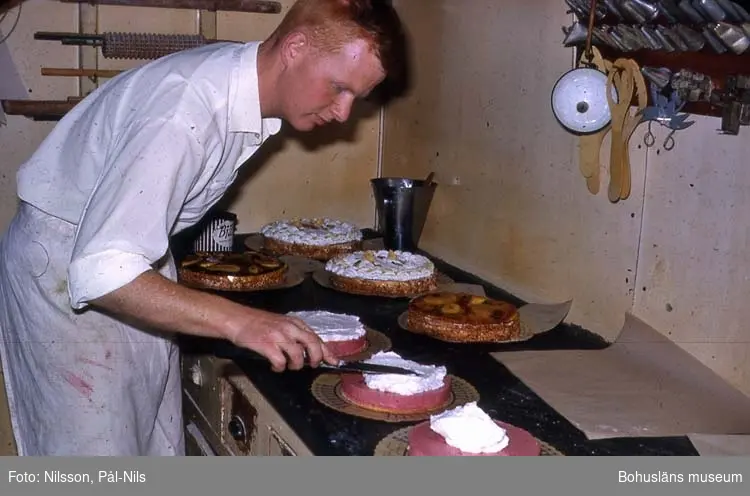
{"points": [[326, 173], [513, 207]]}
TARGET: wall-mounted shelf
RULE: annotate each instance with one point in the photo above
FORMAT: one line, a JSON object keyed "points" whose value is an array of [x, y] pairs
{"points": [[717, 66], [703, 45]]}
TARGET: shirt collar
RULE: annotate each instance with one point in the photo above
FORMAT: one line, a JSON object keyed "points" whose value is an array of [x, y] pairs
{"points": [[244, 97]]}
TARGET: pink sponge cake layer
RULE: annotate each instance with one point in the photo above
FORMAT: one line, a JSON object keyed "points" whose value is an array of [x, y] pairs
{"points": [[349, 347], [355, 390], [423, 441]]}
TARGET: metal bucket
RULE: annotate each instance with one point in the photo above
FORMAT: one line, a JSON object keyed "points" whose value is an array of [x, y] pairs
{"points": [[402, 205]]}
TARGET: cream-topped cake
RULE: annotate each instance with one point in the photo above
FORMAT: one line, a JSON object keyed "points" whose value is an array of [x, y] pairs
{"points": [[396, 393], [467, 430], [343, 334], [317, 238], [382, 273]]}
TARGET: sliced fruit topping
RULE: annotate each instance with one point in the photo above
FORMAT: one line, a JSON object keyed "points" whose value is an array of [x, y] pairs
{"points": [[269, 264], [190, 261], [451, 309], [440, 299], [476, 300], [206, 265], [369, 256], [482, 310], [226, 268]]}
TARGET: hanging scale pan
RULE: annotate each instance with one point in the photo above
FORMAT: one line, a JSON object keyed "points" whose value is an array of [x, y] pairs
{"points": [[579, 100]]}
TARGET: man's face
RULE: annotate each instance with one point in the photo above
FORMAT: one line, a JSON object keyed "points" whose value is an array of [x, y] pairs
{"points": [[321, 87]]}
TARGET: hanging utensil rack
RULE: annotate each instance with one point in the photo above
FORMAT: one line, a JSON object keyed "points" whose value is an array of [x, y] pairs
{"points": [[679, 35]]}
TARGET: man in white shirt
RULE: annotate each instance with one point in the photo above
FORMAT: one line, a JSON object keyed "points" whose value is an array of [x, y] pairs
{"points": [[89, 302]]}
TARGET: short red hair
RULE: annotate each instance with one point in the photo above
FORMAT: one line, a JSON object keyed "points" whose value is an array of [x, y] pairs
{"points": [[330, 24]]}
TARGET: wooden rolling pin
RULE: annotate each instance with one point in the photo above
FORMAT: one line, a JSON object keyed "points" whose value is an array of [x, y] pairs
{"points": [[40, 109], [61, 71]]}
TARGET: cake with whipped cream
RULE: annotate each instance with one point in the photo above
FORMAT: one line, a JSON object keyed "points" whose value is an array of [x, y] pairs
{"points": [[467, 430], [343, 334], [390, 273], [395, 393], [317, 238]]}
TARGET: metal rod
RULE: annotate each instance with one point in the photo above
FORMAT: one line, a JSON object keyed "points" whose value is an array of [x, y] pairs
{"points": [[65, 72], [253, 6]]}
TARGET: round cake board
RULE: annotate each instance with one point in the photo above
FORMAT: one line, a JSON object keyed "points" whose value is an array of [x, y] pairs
{"points": [[291, 279], [326, 388], [323, 278], [525, 334], [376, 342], [397, 443], [254, 242]]}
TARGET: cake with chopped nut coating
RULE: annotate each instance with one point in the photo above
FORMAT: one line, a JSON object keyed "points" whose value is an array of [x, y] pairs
{"points": [[463, 318], [229, 271], [382, 273], [316, 238]]}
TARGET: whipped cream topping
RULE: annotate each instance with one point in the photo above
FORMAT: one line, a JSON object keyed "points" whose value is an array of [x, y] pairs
{"points": [[384, 265], [431, 377], [470, 429], [332, 326], [315, 231]]}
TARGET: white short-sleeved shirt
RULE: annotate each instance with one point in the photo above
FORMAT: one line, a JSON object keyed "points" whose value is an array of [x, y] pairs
{"points": [[145, 156]]}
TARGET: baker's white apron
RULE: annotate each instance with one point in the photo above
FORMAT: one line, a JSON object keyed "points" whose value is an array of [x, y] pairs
{"points": [[78, 383]]}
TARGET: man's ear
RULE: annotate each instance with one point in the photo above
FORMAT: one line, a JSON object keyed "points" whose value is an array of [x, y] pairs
{"points": [[293, 48]]}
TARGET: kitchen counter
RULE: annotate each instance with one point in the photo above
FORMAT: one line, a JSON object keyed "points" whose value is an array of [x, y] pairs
{"points": [[327, 432]]}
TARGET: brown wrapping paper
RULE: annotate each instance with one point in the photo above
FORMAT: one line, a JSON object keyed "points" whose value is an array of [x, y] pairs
{"points": [[642, 385], [535, 318]]}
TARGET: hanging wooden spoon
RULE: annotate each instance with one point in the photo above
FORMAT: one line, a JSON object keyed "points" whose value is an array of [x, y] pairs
{"points": [[589, 146], [619, 110], [631, 123]]}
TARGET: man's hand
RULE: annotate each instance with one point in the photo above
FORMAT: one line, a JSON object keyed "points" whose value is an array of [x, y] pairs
{"points": [[155, 301], [285, 341]]}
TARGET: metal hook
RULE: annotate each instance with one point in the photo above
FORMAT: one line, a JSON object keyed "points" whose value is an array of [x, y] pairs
{"points": [[649, 139], [669, 141]]}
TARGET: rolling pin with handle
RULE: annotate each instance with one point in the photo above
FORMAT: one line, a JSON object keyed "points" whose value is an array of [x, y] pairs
{"points": [[130, 45]]}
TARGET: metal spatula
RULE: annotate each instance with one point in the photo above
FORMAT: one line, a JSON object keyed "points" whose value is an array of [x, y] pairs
{"points": [[225, 349]]}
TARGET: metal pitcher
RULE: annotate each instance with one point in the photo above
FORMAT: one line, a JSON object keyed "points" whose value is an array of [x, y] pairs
{"points": [[402, 205]]}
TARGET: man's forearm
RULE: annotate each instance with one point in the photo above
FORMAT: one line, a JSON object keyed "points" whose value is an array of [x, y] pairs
{"points": [[155, 301]]}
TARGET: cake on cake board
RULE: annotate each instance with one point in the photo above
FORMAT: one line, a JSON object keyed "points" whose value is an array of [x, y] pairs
{"points": [[397, 444], [318, 238], [393, 398], [385, 273], [465, 430], [461, 317], [236, 271]]}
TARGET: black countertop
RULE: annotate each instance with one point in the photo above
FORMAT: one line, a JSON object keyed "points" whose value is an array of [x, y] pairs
{"points": [[502, 395]]}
